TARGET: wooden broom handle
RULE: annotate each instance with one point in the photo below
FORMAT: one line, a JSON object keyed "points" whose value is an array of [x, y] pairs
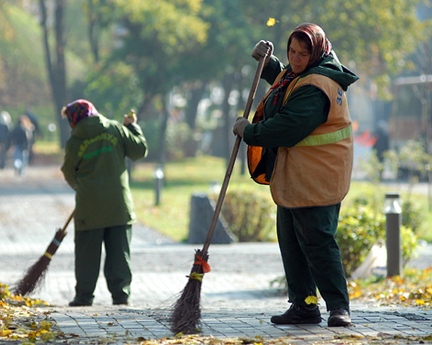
{"points": [[232, 160], [63, 229]]}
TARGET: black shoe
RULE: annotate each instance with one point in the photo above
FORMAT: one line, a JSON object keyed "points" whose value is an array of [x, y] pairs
{"points": [[79, 304], [298, 315], [339, 318], [121, 302]]}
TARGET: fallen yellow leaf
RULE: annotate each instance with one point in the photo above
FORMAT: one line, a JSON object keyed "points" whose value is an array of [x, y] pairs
{"points": [[311, 300], [271, 21]]}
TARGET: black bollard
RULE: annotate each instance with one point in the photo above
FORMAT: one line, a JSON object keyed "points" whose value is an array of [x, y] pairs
{"points": [[393, 212]]}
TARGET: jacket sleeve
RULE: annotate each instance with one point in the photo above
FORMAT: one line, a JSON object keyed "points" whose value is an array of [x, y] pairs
{"points": [[69, 168], [134, 142], [272, 70], [305, 110]]}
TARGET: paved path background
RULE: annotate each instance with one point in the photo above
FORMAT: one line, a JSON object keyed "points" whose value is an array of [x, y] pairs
{"points": [[237, 300]]}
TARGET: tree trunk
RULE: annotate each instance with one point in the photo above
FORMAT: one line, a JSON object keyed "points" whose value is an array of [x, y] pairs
{"points": [[56, 69], [196, 93], [93, 19]]}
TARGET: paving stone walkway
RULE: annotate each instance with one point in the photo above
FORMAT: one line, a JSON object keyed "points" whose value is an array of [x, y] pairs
{"points": [[237, 299]]}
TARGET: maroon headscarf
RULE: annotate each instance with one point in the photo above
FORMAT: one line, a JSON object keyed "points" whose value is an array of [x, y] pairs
{"points": [[321, 46], [78, 110]]}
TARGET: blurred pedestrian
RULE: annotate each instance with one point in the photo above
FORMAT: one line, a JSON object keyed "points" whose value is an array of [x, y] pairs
{"points": [[6, 128], [94, 166], [381, 145], [302, 132], [22, 136], [37, 133]]}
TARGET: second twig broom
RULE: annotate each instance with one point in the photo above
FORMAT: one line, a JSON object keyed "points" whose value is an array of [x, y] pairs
{"points": [[186, 315], [35, 274]]}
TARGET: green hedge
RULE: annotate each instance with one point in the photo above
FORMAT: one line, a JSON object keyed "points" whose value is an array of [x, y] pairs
{"points": [[361, 226], [362, 223], [250, 217]]}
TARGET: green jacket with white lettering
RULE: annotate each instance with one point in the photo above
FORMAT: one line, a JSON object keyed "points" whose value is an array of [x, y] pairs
{"points": [[94, 166]]}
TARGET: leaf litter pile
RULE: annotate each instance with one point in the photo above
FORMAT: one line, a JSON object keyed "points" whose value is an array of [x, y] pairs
{"points": [[22, 321], [413, 289]]}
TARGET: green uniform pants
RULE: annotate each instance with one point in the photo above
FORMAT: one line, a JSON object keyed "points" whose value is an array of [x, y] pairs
{"points": [[311, 256], [117, 270]]}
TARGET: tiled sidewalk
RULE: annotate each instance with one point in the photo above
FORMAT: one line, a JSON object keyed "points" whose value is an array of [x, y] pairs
{"points": [[237, 300]]}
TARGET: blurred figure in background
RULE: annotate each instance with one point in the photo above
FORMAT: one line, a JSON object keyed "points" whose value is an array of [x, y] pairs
{"points": [[381, 145], [5, 137], [22, 137], [37, 133]]}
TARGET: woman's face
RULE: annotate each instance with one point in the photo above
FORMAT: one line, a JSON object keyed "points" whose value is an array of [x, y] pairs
{"points": [[298, 56]]}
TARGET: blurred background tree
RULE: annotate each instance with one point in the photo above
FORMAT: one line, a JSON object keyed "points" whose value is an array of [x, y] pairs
{"points": [[186, 61]]}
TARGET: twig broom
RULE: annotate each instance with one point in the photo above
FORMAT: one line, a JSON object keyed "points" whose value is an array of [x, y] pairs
{"points": [[35, 274], [186, 314]]}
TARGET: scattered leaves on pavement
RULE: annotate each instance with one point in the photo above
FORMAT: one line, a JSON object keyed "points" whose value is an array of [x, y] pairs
{"points": [[19, 321], [413, 289]]}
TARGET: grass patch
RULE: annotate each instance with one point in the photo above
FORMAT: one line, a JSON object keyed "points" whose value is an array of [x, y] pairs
{"points": [[47, 152], [377, 192], [197, 175], [182, 180], [186, 177]]}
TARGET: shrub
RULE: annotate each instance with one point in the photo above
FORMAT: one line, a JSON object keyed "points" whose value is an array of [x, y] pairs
{"points": [[250, 217], [412, 217], [361, 226], [359, 229], [362, 223]]}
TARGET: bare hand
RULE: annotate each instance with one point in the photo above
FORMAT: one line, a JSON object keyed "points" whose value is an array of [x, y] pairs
{"points": [[130, 118]]}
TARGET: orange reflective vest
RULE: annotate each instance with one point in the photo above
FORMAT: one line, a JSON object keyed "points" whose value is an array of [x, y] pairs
{"points": [[317, 170]]}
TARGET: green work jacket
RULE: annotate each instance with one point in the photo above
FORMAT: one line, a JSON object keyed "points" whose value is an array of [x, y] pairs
{"points": [[94, 166]]}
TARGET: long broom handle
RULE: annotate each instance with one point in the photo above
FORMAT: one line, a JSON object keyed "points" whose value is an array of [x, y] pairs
{"points": [[63, 229], [232, 160]]}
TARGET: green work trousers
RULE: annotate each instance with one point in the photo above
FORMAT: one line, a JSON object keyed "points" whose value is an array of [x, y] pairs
{"points": [[311, 256], [117, 269]]}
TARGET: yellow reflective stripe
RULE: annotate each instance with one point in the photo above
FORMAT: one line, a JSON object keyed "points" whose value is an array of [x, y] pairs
{"points": [[326, 138]]}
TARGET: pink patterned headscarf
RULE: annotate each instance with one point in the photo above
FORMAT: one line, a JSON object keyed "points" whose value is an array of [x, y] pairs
{"points": [[321, 46], [78, 110]]}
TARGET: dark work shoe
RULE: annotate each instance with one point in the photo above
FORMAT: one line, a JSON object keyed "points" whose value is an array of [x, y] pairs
{"points": [[79, 304], [339, 318], [298, 315], [120, 302]]}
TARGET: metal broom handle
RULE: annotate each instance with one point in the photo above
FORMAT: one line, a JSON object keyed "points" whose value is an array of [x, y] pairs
{"points": [[232, 160]]}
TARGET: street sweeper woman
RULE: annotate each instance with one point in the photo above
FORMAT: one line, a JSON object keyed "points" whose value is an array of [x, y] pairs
{"points": [[94, 166], [300, 143]]}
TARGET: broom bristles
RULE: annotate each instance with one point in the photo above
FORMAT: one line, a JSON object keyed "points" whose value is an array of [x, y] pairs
{"points": [[36, 273], [187, 310], [186, 315], [33, 277]]}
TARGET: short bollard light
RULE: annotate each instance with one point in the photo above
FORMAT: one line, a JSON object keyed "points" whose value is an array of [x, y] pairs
{"points": [[393, 213], [158, 178]]}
